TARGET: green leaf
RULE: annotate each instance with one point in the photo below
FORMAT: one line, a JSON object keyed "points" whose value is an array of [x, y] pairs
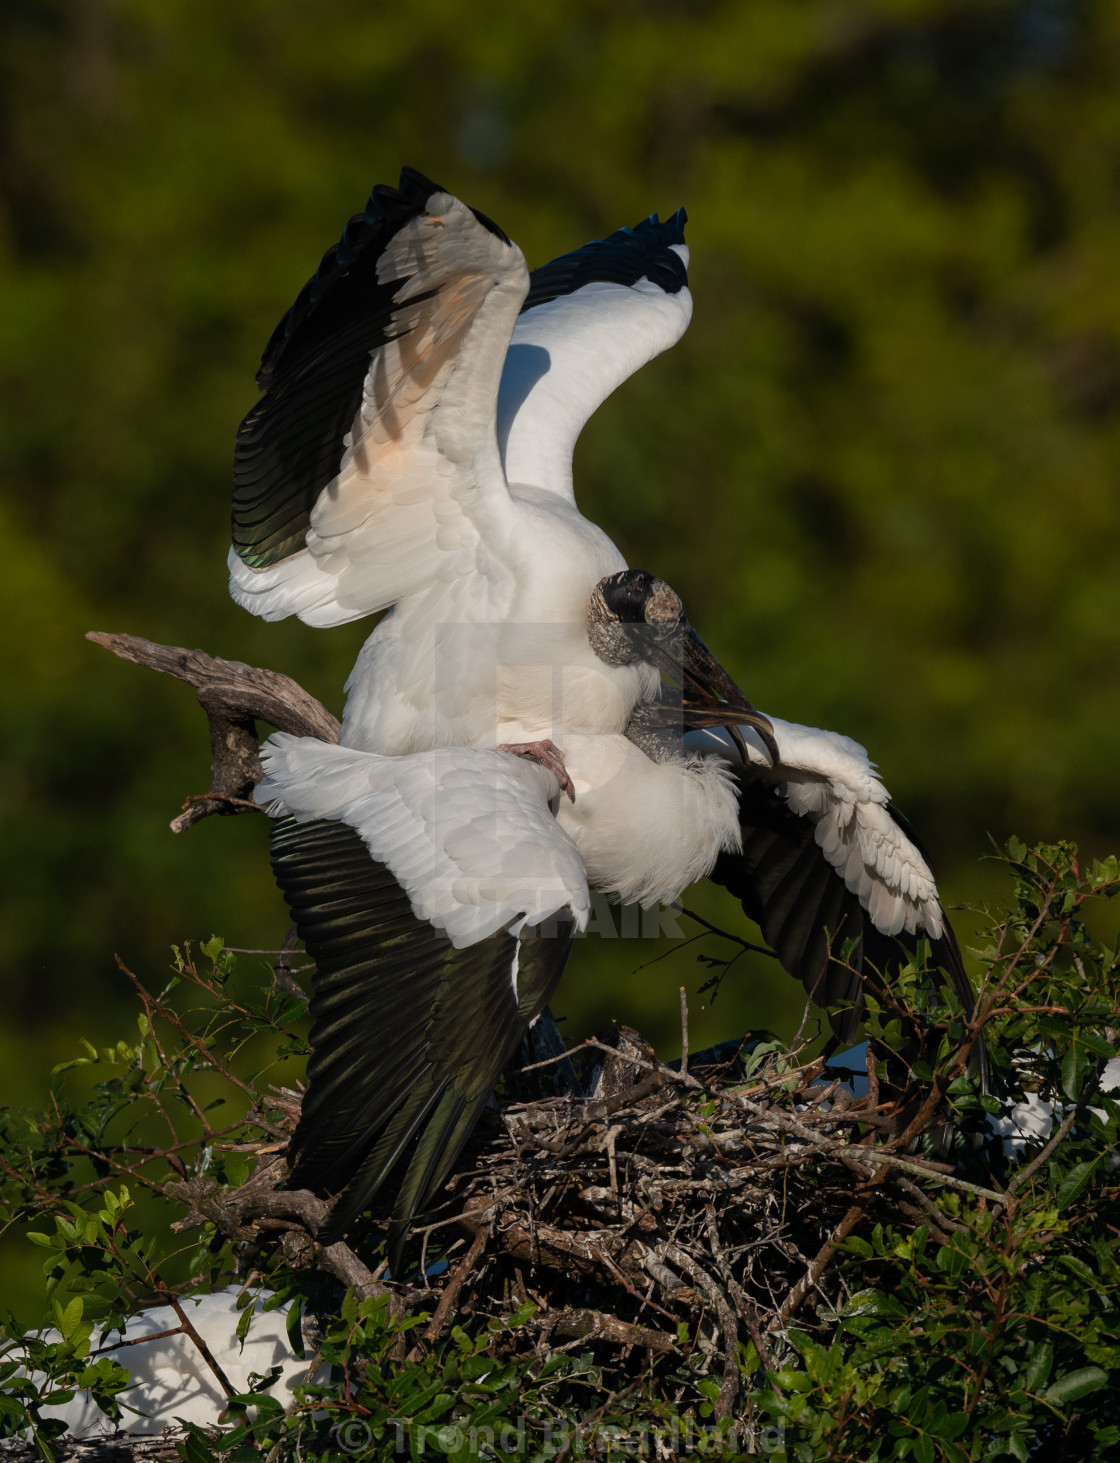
{"points": [[923, 1449], [1075, 1182], [1017, 1447], [195, 1447], [294, 1326], [1038, 1367], [1074, 1065], [244, 1320], [1075, 1385], [67, 1320]]}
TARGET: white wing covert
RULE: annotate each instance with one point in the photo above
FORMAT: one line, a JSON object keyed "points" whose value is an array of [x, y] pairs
{"points": [[830, 779], [590, 320], [828, 783], [369, 467], [467, 833]]}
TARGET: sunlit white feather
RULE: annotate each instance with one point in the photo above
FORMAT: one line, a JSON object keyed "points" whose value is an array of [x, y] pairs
{"points": [[829, 779], [467, 834]]}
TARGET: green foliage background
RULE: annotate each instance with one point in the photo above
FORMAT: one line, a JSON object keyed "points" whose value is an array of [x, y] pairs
{"points": [[881, 468]]}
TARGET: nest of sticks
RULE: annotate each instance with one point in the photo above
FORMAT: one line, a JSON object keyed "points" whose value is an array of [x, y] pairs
{"points": [[675, 1214]]}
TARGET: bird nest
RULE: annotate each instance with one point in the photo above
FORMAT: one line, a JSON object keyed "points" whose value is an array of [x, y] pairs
{"points": [[669, 1220], [665, 1223]]}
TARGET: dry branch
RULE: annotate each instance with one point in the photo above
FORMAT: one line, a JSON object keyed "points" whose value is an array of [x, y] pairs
{"points": [[234, 697], [110, 1449]]}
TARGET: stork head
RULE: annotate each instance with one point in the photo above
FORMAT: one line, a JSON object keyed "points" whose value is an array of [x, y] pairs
{"points": [[635, 618], [632, 616]]}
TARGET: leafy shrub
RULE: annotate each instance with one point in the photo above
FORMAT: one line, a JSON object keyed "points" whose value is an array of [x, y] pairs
{"points": [[946, 1319]]}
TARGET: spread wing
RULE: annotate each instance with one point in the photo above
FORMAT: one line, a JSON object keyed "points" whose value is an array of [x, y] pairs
{"points": [[832, 873], [590, 320], [467, 833], [369, 466], [410, 1034], [439, 903]]}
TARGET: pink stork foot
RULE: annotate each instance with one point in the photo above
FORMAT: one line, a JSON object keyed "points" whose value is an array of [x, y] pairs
{"points": [[548, 754]]}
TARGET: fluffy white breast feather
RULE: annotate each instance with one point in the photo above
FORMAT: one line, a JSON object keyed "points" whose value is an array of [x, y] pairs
{"points": [[646, 830]]}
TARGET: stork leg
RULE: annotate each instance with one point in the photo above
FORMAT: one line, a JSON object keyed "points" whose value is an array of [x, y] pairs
{"points": [[548, 754]]}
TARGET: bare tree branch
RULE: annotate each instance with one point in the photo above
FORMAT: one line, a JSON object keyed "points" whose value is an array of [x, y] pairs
{"points": [[235, 696]]}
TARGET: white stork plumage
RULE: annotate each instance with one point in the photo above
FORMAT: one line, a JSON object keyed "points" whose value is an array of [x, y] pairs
{"points": [[369, 477], [413, 449], [412, 453], [171, 1382]]}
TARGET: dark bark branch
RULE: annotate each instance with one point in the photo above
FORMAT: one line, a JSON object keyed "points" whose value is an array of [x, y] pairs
{"points": [[234, 696], [234, 1211], [200, 1342], [447, 1300], [598, 1326]]}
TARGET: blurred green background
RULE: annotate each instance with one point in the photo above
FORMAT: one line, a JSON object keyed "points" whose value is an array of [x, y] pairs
{"points": [[881, 468]]}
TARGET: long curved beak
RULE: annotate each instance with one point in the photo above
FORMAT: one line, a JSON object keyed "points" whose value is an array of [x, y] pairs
{"points": [[711, 698]]}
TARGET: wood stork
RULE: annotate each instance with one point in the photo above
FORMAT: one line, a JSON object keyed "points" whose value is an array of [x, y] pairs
{"points": [[439, 891], [412, 449], [412, 453]]}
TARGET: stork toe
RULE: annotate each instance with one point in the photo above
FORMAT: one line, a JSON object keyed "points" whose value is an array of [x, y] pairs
{"points": [[548, 754]]}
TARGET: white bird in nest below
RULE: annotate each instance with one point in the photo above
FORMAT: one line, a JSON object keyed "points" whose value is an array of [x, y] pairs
{"points": [[171, 1381]]}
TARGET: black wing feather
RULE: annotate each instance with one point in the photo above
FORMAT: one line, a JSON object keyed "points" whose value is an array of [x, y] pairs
{"points": [[623, 257], [816, 926], [312, 374], [409, 1035]]}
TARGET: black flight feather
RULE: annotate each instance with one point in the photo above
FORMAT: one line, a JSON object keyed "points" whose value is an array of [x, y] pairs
{"points": [[624, 257], [409, 1034], [817, 927], [313, 372]]}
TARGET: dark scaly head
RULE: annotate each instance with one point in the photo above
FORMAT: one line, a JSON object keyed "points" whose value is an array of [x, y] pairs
{"points": [[633, 618]]}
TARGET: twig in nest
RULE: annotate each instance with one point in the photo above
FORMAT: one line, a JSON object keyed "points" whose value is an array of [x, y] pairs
{"points": [[596, 1325], [684, 1033], [729, 1388], [447, 1300], [818, 1266]]}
